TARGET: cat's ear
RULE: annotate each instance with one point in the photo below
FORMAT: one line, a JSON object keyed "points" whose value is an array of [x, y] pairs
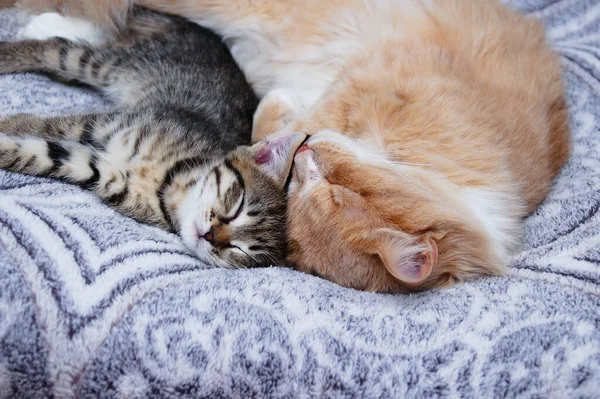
{"points": [[409, 259], [275, 156]]}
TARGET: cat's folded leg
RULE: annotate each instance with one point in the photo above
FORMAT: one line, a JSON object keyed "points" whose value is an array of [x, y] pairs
{"points": [[275, 114], [51, 24], [83, 31]]}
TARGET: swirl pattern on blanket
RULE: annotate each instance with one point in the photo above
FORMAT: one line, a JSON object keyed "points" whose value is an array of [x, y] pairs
{"points": [[93, 304]]}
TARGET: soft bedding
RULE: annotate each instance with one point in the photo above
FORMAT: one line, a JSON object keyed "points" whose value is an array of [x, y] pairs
{"points": [[93, 304]]}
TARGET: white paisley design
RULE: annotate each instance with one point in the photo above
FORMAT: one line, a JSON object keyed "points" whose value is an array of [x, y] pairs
{"points": [[93, 304]]}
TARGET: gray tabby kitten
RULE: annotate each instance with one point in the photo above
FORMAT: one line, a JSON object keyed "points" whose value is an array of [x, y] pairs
{"points": [[169, 155]]}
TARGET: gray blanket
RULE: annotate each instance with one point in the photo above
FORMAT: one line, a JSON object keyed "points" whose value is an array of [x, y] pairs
{"points": [[93, 304]]}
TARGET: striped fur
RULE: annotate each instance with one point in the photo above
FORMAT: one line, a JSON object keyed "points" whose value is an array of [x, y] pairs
{"points": [[169, 155]]}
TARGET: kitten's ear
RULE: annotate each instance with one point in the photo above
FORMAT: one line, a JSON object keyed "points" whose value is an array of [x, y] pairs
{"points": [[275, 156], [410, 259]]}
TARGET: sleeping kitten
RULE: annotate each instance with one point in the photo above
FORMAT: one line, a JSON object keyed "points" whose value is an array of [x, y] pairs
{"points": [[169, 155]]}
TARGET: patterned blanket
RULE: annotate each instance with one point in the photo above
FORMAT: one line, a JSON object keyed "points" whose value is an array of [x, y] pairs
{"points": [[93, 304]]}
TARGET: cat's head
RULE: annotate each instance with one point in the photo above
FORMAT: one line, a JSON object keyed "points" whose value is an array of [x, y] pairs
{"points": [[378, 226], [235, 215]]}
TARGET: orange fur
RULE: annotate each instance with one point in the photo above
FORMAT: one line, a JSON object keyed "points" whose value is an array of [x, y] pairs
{"points": [[110, 14], [456, 117], [475, 100]]}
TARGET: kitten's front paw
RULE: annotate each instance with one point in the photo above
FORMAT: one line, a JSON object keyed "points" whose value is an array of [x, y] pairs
{"points": [[48, 25], [278, 109], [7, 56], [8, 150], [21, 125]]}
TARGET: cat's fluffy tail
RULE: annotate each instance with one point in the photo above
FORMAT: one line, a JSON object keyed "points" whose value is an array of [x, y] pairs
{"points": [[107, 14]]}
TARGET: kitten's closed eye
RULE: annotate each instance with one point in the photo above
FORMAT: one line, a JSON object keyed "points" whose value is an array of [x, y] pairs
{"points": [[228, 201], [234, 211]]}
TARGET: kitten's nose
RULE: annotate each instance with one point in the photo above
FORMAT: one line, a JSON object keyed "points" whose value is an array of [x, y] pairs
{"points": [[210, 236]]}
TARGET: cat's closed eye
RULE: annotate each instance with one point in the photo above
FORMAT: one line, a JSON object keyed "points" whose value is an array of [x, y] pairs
{"points": [[234, 211]]}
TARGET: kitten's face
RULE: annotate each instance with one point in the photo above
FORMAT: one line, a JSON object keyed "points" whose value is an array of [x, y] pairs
{"points": [[235, 215]]}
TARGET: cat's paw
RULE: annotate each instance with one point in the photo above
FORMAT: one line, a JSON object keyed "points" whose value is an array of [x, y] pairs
{"points": [[5, 54], [48, 25], [278, 109], [21, 125], [7, 58], [8, 150]]}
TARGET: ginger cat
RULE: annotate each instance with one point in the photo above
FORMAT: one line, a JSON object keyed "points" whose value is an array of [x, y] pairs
{"points": [[437, 126]]}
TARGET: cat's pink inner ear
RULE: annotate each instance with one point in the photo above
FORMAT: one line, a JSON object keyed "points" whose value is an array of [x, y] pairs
{"points": [[263, 155], [275, 156], [410, 261]]}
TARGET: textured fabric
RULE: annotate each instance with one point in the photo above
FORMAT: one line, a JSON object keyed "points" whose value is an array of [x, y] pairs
{"points": [[93, 304]]}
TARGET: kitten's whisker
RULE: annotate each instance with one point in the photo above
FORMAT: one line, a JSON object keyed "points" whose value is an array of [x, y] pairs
{"points": [[246, 253], [271, 258]]}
